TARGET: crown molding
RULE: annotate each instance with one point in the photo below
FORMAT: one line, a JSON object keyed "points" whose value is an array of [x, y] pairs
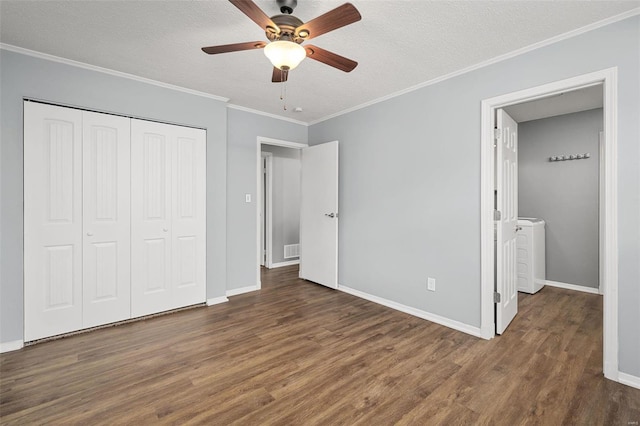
{"points": [[500, 58], [108, 71], [547, 42], [266, 114]]}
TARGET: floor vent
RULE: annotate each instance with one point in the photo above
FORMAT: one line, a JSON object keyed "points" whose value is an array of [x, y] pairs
{"points": [[291, 250]]}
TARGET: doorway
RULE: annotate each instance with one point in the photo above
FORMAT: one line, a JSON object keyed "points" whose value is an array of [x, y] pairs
{"points": [[281, 205], [608, 227], [265, 206], [558, 173]]}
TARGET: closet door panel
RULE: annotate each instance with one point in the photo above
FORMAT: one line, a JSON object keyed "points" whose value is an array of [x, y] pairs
{"points": [[52, 220], [106, 219], [188, 216], [151, 201]]}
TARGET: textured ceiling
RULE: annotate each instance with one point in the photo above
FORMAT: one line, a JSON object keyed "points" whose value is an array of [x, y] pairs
{"points": [[398, 44]]}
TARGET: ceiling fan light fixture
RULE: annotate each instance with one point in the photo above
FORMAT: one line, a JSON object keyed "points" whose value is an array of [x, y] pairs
{"points": [[283, 53]]}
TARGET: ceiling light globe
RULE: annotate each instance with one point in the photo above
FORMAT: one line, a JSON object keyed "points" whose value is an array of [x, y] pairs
{"points": [[284, 53]]}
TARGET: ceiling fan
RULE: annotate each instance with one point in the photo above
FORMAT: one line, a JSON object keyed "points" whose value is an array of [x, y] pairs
{"points": [[286, 33]]}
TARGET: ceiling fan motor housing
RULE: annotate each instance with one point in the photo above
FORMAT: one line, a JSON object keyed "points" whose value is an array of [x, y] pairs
{"points": [[287, 6], [287, 25]]}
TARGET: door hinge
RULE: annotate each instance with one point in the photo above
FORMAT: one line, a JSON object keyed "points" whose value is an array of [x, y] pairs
{"points": [[497, 133], [496, 297], [497, 215]]}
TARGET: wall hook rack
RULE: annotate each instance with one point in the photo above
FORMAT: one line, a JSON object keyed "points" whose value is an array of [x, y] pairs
{"points": [[570, 157]]}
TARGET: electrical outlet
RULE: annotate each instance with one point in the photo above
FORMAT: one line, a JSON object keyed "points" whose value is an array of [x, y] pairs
{"points": [[431, 284]]}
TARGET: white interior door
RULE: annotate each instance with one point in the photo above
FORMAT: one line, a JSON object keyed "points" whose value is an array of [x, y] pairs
{"points": [[188, 216], [150, 217], [319, 214], [507, 226], [106, 266], [52, 220]]}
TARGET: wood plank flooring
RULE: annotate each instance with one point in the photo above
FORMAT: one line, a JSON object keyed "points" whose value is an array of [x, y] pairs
{"points": [[299, 353]]}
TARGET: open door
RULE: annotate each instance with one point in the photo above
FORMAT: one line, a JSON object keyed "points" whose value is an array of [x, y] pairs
{"points": [[507, 221], [319, 214]]}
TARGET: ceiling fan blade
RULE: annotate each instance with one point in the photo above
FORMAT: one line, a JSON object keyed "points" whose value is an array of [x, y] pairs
{"points": [[279, 76], [330, 58], [236, 47], [332, 20], [256, 14]]}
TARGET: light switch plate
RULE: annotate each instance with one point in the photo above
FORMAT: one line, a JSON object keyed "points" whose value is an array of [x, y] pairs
{"points": [[247, 198], [431, 284]]}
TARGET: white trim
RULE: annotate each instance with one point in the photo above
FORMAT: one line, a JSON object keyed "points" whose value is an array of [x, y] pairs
{"points": [[11, 346], [242, 290], [217, 300], [280, 142], [456, 325], [287, 263], [601, 180], [268, 220], [608, 78], [488, 62], [574, 287], [610, 229], [115, 73], [629, 380], [260, 140], [267, 114]]}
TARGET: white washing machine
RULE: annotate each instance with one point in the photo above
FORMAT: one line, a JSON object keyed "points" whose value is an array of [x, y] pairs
{"points": [[530, 257]]}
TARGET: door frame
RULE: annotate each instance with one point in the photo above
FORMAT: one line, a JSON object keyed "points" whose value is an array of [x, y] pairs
{"points": [[608, 232], [261, 140], [266, 206], [601, 213]]}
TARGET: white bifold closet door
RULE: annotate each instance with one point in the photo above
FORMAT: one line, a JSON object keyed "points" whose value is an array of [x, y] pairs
{"points": [[114, 218], [168, 237], [76, 219]]}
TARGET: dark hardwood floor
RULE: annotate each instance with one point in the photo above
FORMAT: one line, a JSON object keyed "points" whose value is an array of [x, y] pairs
{"points": [[299, 353]]}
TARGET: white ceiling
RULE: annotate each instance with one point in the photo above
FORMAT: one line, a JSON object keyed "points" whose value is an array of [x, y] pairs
{"points": [[398, 44], [559, 104]]}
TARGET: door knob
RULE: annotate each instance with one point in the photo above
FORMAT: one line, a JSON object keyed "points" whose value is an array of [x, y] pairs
{"points": [[330, 214], [164, 229], [89, 234]]}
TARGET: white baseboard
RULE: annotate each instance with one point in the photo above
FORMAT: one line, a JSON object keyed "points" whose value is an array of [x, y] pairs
{"points": [[456, 325], [572, 287], [287, 263], [629, 380], [11, 346], [217, 300], [242, 290]]}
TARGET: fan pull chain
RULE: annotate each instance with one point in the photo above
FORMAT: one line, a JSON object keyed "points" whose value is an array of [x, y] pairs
{"points": [[285, 95], [283, 89]]}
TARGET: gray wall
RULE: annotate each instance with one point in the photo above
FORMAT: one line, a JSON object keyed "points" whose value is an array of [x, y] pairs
{"points": [[410, 180], [242, 133], [25, 76], [285, 207], [563, 193], [409, 183]]}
